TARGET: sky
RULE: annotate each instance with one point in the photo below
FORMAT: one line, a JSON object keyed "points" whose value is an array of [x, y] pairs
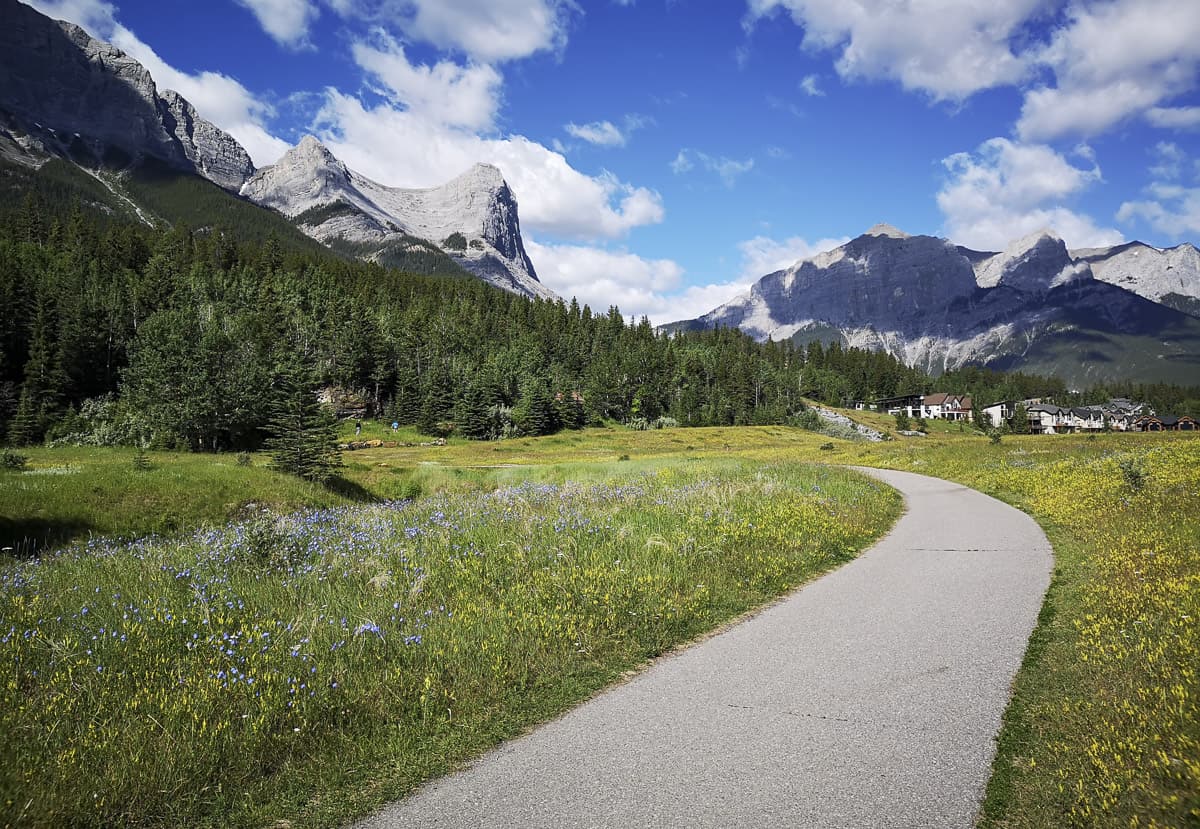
{"points": [[667, 153]]}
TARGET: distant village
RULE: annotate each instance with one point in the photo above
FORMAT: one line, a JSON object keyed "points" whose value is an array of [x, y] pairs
{"points": [[1041, 416]]}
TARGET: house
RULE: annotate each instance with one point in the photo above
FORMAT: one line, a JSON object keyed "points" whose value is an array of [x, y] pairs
{"points": [[997, 414], [909, 404], [944, 406], [1121, 413], [1047, 419], [1165, 423], [1085, 419]]}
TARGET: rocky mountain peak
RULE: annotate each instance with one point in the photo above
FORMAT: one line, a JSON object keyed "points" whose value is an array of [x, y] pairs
{"points": [[472, 217], [86, 100], [1033, 264], [884, 229]]}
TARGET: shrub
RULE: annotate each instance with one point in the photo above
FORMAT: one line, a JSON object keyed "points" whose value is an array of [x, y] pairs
{"points": [[902, 422], [11, 460], [1133, 472], [243, 459], [455, 241], [807, 419]]}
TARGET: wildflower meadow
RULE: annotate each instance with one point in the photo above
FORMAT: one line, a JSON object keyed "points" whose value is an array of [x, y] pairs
{"points": [[1104, 727], [309, 666]]}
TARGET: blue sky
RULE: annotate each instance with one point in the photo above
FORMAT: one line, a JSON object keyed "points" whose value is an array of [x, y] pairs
{"points": [[666, 153]]}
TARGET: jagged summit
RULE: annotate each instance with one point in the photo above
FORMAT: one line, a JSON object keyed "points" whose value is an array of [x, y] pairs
{"points": [[65, 93], [885, 229], [1035, 263], [938, 306], [472, 217]]}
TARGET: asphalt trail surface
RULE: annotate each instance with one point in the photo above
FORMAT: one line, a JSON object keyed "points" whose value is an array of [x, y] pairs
{"points": [[869, 698]]}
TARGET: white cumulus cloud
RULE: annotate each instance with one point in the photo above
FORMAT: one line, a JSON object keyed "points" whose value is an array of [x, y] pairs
{"points": [[1112, 61], [1172, 203], [445, 93], [763, 255], [638, 286], [1006, 190], [403, 149], [286, 21], [949, 50], [488, 31]]}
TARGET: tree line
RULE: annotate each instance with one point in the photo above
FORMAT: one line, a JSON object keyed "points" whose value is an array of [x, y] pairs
{"points": [[118, 332]]}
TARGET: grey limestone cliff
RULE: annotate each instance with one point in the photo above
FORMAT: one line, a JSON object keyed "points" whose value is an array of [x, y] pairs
{"points": [[472, 218], [65, 93]]}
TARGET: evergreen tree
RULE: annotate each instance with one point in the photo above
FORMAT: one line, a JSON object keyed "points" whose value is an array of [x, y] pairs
{"points": [[406, 399], [534, 415], [1020, 420], [437, 400], [473, 418], [42, 392], [302, 433]]}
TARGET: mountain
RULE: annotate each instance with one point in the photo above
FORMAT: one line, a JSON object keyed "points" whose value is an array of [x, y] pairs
{"points": [[67, 94], [68, 97], [472, 218], [937, 306], [1171, 276]]}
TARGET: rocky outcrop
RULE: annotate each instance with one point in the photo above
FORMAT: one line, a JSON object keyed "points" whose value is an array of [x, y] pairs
{"points": [[472, 218], [1170, 276], [66, 93]]}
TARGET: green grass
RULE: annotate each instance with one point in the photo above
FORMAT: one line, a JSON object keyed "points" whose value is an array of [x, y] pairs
{"points": [[71, 493], [1104, 727], [309, 668]]}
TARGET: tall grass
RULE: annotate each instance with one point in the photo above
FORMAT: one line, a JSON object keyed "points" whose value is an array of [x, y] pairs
{"points": [[309, 666]]}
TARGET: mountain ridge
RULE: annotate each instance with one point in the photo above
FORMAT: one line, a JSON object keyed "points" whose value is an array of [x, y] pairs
{"points": [[477, 207], [939, 306], [66, 94]]}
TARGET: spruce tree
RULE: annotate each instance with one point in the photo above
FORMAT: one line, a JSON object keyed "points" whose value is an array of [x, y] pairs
{"points": [[474, 419], [302, 433], [1020, 420]]}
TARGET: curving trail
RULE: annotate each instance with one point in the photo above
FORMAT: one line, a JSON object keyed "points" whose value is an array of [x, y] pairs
{"points": [[870, 697]]}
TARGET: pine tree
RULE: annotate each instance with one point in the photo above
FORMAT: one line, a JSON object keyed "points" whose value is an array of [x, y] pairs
{"points": [[1020, 420], [303, 433], [406, 401], [473, 418]]}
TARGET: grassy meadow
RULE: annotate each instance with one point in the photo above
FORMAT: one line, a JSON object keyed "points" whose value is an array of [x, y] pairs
{"points": [[526, 575], [308, 666]]}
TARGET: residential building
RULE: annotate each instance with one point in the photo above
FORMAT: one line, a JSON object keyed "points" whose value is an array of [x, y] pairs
{"points": [[942, 406], [998, 414], [1047, 419]]}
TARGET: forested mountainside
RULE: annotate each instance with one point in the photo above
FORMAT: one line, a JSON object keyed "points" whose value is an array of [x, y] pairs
{"points": [[178, 337], [116, 331]]}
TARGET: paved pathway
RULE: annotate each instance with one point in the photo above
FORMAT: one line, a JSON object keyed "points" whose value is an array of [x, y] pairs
{"points": [[869, 698]]}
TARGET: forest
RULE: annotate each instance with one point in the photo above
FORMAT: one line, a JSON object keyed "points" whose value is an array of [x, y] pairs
{"points": [[116, 332]]}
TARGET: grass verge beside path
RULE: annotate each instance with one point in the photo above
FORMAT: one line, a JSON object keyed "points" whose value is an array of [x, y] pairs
{"points": [[311, 667], [1104, 726]]}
